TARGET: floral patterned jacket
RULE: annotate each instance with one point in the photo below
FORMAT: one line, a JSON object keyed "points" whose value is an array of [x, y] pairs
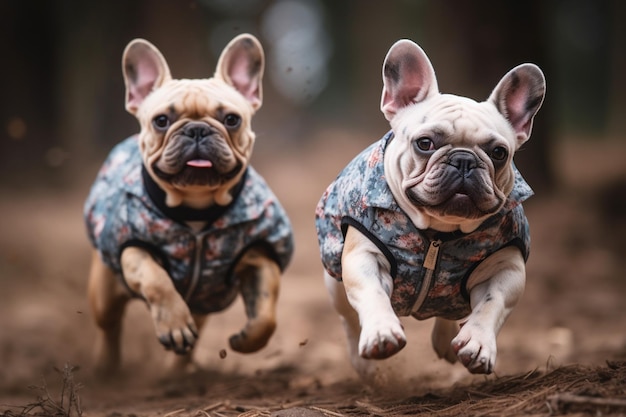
{"points": [[429, 269], [126, 208]]}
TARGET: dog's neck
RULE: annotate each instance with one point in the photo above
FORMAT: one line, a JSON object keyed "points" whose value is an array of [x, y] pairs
{"points": [[467, 226], [198, 201], [424, 221], [187, 212]]}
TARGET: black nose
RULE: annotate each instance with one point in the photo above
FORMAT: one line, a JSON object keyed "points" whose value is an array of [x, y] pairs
{"points": [[197, 130], [463, 161]]}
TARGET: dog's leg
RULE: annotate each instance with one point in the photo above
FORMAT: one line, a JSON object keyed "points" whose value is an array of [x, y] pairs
{"points": [[495, 287], [443, 333], [367, 369], [349, 317], [368, 287], [259, 276], [174, 325], [107, 300]]}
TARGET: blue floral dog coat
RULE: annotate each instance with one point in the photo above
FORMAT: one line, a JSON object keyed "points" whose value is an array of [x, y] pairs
{"points": [[429, 269], [126, 208]]}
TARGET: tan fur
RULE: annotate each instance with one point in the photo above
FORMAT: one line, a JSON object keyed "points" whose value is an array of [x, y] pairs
{"points": [[150, 92]]}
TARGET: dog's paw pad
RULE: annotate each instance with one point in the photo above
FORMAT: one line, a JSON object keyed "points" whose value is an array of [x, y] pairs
{"points": [[477, 357], [181, 341], [477, 365], [237, 341], [384, 349], [381, 342]]}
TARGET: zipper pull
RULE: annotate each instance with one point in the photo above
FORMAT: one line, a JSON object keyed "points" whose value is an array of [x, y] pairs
{"points": [[430, 261]]}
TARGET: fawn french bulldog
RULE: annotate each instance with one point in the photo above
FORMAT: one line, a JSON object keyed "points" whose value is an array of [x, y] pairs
{"points": [[177, 216]]}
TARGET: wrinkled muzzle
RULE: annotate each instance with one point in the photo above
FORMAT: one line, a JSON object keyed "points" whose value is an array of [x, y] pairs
{"points": [[197, 154], [459, 186]]}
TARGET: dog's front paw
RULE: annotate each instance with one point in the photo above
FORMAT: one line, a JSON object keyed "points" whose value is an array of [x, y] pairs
{"points": [[174, 325], [381, 338], [476, 348]]}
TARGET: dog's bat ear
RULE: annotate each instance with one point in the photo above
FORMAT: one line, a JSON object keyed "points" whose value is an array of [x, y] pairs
{"points": [[144, 70], [518, 96], [241, 65], [408, 77]]}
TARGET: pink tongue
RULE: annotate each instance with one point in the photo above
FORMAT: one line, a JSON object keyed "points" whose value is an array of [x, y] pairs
{"points": [[200, 163]]}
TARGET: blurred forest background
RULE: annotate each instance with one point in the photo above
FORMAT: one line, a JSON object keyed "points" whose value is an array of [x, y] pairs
{"points": [[62, 109], [61, 106]]}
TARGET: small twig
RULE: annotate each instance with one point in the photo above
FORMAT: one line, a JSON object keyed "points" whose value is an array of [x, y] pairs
{"points": [[254, 413], [370, 408], [216, 405], [327, 412], [69, 398], [519, 404], [173, 413]]}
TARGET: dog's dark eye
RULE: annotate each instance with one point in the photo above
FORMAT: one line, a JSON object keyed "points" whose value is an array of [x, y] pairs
{"points": [[499, 153], [161, 122], [232, 120], [424, 144]]}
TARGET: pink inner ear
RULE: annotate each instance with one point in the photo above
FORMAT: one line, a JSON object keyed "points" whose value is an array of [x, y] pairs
{"points": [[408, 78], [137, 92], [408, 93], [143, 83], [395, 98], [239, 73], [516, 102]]}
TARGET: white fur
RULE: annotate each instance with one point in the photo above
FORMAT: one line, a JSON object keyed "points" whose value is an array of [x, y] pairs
{"points": [[412, 103], [363, 302]]}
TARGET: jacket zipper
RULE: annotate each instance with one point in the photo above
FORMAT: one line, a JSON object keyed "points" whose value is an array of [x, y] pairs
{"points": [[430, 263], [195, 276]]}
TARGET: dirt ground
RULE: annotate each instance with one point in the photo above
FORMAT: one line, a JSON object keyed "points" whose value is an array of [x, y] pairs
{"points": [[562, 351]]}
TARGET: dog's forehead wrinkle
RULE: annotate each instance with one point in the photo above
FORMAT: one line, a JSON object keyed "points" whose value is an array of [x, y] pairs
{"points": [[438, 132], [198, 98], [450, 119], [196, 103], [468, 130], [475, 122]]}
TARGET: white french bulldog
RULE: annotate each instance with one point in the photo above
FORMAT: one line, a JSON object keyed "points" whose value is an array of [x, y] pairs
{"points": [[428, 221]]}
